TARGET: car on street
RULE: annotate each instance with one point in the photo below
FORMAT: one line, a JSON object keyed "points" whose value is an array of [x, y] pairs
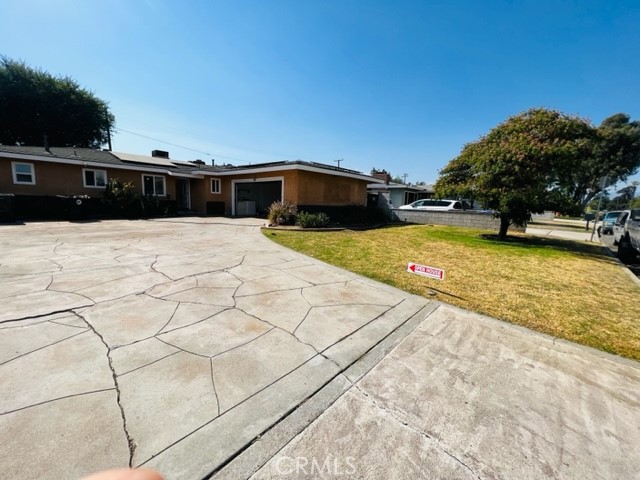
{"points": [[618, 226], [435, 205], [608, 221], [626, 234]]}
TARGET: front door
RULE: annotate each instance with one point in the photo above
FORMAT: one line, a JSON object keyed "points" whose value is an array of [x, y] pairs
{"points": [[183, 194]]}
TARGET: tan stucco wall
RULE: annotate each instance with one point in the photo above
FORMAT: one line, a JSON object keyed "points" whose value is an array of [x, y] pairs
{"points": [[63, 179], [322, 189]]}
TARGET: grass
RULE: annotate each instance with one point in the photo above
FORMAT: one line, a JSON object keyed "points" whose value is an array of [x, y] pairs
{"points": [[567, 289]]}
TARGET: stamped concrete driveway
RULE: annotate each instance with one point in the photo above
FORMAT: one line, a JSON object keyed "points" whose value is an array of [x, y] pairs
{"points": [[171, 344], [200, 348]]}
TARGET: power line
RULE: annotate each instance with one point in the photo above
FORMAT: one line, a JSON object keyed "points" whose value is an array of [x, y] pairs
{"points": [[118, 129]]}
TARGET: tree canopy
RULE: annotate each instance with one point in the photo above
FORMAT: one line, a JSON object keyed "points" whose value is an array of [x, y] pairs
{"points": [[542, 159], [615, 153], [34, 103]]}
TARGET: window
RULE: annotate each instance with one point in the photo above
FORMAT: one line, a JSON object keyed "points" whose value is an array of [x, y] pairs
{"points": [[23, 173], [153, 185], [215, 185], [94, 178]]}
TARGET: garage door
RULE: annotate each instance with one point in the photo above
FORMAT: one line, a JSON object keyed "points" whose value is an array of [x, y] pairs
{"points": [[254, 198]]}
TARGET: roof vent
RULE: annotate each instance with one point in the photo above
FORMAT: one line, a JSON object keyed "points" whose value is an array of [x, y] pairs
{"points": [[160, 154]]}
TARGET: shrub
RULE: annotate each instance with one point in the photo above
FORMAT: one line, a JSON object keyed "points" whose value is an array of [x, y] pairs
{"points": [[121, 200], [312, 220], [282, 213]]}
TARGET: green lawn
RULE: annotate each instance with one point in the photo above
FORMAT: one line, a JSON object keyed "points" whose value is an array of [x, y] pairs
{"points": [[568, 289]]}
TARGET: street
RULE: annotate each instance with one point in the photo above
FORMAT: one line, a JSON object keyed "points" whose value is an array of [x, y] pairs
{"points": [[608, 241]]}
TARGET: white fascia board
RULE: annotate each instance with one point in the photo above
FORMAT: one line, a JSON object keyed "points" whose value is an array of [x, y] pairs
{"points": [[281, 168], [90, 163]]}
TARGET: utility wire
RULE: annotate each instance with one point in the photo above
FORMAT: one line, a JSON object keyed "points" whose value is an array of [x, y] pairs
{"points": [[118, 129]]}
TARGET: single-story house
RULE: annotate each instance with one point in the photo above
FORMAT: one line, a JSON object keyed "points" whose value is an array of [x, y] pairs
{"points": [[188, 186]]}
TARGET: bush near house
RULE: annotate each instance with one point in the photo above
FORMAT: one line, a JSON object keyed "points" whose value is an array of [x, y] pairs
{"points": [[286, 213], [349, 215], [121, 200], [312, 220], [282, 213]]}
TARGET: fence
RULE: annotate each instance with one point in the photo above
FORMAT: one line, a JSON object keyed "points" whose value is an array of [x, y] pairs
{"points": [[465, 218]]}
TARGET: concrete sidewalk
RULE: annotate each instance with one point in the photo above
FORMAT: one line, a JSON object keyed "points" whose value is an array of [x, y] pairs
{"points": [[580, 236], [468, 397], [198, 347]]}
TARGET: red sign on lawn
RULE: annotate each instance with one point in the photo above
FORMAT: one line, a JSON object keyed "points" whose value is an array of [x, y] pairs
{"points": [[426, 271]]}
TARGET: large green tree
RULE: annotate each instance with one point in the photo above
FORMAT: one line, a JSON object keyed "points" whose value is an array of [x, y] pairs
{"points": [[513, 168], [542, 159], [615, 154], [34, 103]]}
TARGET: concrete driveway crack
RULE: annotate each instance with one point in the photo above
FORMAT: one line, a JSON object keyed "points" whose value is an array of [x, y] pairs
{"points": [[131, 443], [170, 318], [213, 382], [153, 268], [43, 315], [276, 327]]}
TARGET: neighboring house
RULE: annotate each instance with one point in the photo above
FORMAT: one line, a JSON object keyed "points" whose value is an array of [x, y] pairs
{"points": [[390, 195], [189, 186]]}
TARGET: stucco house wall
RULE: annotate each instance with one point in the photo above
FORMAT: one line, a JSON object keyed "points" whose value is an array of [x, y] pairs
{"points": [[331, 190]]}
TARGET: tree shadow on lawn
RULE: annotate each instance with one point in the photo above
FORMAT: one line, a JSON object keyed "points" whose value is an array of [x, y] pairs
{"points": [[594, 251]]}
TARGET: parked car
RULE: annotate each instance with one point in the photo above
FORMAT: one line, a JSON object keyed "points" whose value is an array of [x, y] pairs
{"points": [[608, 221], [436, 205], [629, 237], [618, 226]]}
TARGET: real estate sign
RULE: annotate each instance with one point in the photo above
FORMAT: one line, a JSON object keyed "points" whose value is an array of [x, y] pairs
{"points": [[425, 271]]}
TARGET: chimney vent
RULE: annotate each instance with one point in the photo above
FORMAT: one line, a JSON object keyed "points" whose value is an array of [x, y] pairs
{"points": [[160, 154]]}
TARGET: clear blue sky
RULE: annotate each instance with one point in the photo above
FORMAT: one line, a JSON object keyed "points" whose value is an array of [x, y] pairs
{"points": [[400, 85]]}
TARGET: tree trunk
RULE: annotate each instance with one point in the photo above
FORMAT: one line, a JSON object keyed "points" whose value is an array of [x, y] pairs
{"points": [[504, 226]]}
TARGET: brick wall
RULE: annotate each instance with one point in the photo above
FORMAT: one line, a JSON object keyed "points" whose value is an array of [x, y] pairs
{"points": [[467, 218]]}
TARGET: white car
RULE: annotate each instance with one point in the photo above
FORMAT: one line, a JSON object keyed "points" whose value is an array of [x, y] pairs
{"points": [[435, 205], [618, 226], [628, 235]]}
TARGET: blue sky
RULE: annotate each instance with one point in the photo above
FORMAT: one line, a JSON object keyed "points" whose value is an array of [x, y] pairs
{"points": [[400, 85]]}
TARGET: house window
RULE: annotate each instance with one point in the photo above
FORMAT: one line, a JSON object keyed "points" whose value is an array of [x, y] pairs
{"points": [[23, 173], [94, 178], [154, 185], [215, 185]]}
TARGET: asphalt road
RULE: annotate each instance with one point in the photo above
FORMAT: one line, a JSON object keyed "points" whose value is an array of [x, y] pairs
{"points": [[608, 241]]}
